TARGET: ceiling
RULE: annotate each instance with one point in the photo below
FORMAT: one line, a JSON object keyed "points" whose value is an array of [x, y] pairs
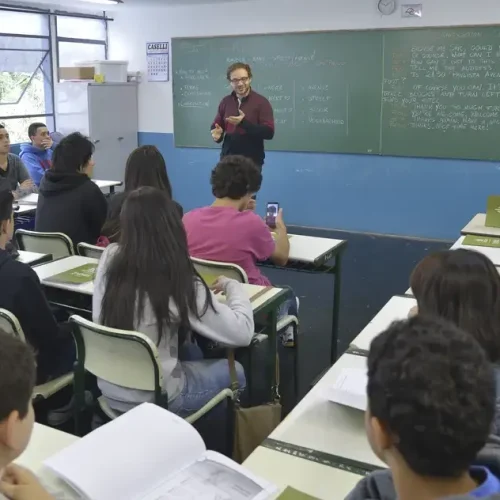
{"points": [[81, 5]]}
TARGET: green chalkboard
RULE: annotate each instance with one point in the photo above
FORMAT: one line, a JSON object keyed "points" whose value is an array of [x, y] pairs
{"points": [[426, 92]]}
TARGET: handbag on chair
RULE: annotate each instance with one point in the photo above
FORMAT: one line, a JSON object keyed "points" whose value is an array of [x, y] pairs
{"points": [[252, 425]]}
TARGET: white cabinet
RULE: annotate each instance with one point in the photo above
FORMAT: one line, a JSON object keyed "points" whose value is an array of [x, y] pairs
{"points": [[108, 114]]}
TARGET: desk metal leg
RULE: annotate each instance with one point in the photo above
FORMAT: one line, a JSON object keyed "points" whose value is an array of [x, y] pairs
{"points": [[112, 190], [272, 322], [336, 307]]}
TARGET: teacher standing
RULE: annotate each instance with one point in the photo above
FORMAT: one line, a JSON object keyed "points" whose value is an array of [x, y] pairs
{"points": [[244, 119]]}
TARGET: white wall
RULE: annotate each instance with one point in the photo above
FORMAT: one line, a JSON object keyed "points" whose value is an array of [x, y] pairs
{"points": [[132, 28]]}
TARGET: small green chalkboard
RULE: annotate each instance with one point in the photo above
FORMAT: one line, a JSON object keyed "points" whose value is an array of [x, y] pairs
{"points": [[77, 276], [493, 212]]}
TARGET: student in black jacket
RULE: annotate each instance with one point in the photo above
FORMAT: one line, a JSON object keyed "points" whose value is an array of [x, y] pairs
{"points": [[69, 201], [22, 295], [145, 167]]}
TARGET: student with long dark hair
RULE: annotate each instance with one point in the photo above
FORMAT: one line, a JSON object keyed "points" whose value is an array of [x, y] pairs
{"points": [[147, 283], [145, 167], [463, 287], [69, 201]]}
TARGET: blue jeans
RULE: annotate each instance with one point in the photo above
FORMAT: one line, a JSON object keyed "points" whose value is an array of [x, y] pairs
{"points": [[205, 378], [290, 306]]}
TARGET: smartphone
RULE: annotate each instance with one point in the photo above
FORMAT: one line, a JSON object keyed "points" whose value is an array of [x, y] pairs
{"points": [[271, 213]]}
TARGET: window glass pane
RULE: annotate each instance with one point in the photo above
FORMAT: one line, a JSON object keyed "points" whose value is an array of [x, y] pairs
{"points": [[19, 42], [71, 53], [77, 27], [24, 23], [25, 83], [18, 127]]}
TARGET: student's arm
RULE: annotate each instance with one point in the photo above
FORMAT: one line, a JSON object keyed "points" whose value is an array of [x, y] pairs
{"points": [[36, 318], [218, 123], [265, 128], [231, 323], [33, 167], [282, 243], [96, 210]]}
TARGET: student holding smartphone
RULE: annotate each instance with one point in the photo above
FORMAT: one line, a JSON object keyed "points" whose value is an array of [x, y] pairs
{"points": [[227, 232]]}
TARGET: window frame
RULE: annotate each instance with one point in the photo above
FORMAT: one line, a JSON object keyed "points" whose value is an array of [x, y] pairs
{"points": [[48, 79], [53, 50], [88, 41]]}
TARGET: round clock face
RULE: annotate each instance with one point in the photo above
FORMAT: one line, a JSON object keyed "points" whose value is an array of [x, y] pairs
{"points": [[387, 7]]}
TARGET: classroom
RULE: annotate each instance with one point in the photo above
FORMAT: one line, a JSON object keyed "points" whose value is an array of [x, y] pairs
{"points": [[357, 141]]}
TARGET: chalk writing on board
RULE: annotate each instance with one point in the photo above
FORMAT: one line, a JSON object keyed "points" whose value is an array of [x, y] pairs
{"points": [[417, 93]]}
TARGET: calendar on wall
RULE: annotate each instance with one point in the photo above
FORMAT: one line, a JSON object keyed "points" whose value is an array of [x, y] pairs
{"points": [[158, 56]]}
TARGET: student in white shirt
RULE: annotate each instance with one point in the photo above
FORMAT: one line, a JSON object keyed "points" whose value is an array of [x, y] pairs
{"points": [[147, 283]]}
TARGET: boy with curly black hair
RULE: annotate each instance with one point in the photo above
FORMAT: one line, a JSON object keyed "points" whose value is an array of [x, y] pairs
{"points": [[431, 398], [227, 232]]}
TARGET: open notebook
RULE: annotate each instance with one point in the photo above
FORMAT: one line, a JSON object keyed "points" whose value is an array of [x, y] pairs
{"points": [[151, 454], [349, 389]]}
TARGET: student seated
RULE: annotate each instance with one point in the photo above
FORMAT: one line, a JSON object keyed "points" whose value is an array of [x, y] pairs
{"points": [[431, 400], [148, 284], [145, 167], [22, 295], [17, 378], [37, 155], [227, 232], [463, 287], [69, 201], [13, 174]]}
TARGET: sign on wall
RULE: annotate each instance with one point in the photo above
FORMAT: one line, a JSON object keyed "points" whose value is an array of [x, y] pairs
{"points": [[158, 56]]}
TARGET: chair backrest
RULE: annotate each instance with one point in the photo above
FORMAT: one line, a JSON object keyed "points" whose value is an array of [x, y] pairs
{"points": [[128, 359], [57, 244], [87, 250], [10, 324], [210, 270]]}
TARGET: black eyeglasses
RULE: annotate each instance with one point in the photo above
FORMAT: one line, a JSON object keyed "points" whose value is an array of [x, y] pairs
{"points": [[235, 81]]}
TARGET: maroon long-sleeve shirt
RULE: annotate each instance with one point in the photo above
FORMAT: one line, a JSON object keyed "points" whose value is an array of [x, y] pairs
{"points": [[248, 137]]}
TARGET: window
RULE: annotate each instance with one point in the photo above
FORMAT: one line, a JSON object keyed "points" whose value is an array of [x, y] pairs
{"points": [[26, 89], [80, 39], [27, 57]]}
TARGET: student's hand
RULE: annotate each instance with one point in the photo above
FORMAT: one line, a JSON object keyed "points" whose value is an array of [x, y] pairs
{"points": [[280, 224], [236, 120], [27, 184], [47, 143], [252, 205], [19, 483], [217, 132], [220, 284], [413, 311]]}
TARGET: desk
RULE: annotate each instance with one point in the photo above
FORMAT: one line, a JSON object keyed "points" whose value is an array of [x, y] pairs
{"points": [[44, 443], [315, 479], [78, 299], [492, 253], [311, 254], [24, 209], [108, 184], [33, 258], [323, 427], [396, 309], [476, 227]]}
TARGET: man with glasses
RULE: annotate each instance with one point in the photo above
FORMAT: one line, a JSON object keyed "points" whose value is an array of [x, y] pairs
{"points": [[244, 119]]}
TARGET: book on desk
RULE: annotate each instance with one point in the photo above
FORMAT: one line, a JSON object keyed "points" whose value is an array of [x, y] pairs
{"points": [[77, 276], [349, 389], [149, 453]]}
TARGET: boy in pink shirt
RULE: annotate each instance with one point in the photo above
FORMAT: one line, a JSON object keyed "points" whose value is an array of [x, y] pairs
{"points": [[227, 232]]}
